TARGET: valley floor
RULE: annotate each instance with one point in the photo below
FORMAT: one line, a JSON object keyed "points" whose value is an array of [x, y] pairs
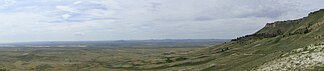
{"points": [[82, 59]]}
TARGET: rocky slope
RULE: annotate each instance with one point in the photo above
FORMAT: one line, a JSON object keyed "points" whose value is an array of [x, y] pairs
{"points": [[301, 59], [265, 49]]}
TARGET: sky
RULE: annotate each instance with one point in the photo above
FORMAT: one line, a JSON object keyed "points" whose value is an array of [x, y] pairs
{"points": [[83, 20]]}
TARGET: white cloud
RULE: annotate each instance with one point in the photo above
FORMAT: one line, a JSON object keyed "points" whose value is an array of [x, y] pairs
{"points": [[77, 2], [66, 16], [67, 9], [4, 3], [142, 19]]}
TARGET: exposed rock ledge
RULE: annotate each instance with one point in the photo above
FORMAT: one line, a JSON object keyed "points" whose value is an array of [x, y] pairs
{"points": [[301, 59]]}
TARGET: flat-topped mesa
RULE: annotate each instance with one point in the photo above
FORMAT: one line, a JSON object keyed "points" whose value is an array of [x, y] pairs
{"points": [[272, 30], [282, 26], [291, 22], [286, 28], [316, 12], [291, 26]]}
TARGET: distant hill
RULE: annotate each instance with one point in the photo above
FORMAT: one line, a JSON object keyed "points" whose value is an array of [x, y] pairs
{"points": [[168, 43]]}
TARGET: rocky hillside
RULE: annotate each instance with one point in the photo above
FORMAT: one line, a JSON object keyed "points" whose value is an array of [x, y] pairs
{"points": [[266, 49]]}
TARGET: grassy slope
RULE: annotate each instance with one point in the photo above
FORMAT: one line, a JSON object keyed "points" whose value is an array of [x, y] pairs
{"points": [[252, 53]]}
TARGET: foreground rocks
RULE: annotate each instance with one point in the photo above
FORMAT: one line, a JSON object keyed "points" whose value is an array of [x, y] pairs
{"points": [[301, 59]]}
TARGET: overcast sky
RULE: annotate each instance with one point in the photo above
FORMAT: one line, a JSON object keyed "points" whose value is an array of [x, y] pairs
{"points": [[74, 20]]}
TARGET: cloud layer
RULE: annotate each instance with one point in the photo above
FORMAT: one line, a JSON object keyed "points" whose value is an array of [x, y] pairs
{"points": [[73, 20]]}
